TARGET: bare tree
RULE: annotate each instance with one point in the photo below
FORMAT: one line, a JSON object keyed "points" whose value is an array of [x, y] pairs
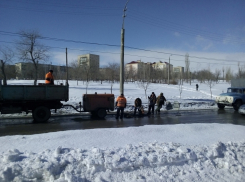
{"points": [[145, 78], [102, 75], [239, 74], [210, 81], [86, 71], [223, 70], [228, 74], [144, 84], [180, 84], [31, 50], [6, 57], [112, 73], [76, 75], [217, 74]]}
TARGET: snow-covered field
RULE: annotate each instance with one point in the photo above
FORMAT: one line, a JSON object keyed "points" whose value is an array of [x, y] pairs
{"points": [[184, 152]]}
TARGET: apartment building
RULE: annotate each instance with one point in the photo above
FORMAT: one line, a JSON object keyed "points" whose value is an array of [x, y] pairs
{"points": [[162, 66], [179, 70], [25, 70], [90, 61], [135, 66]]}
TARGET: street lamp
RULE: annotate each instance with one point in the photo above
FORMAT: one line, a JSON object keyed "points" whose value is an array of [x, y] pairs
{"points": [[169, 68], [122, 52]]}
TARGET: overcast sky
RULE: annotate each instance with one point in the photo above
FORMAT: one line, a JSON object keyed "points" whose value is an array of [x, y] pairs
{"points": [[211, 32]]}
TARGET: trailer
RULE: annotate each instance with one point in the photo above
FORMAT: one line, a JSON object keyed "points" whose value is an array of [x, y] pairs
{"points": [[98, 104], [40, 99]]}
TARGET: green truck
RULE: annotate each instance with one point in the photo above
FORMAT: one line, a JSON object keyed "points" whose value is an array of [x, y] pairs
{"points": [[38, 99]]}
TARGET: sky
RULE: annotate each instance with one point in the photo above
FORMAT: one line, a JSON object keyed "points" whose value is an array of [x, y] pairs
{"points": [[211, 32], [207, 151]]}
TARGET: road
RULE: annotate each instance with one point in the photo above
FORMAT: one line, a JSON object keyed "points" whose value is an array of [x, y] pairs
{"points": [[26, 126]]}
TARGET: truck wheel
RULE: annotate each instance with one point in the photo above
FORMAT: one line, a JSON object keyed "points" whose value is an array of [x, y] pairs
{"points": [[101, 113], [221, 106], [41, 114], [237, 104]]}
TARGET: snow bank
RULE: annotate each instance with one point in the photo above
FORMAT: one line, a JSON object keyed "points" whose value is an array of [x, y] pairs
{"points": [[143, 162], [197, 152]]}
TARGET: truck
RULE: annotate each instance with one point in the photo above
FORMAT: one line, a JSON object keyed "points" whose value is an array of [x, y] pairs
{"points": [[40, 99], [235, 97]]}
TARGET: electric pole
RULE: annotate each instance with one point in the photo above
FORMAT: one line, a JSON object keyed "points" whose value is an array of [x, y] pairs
{"points": [[122, 52], [169, 68]]}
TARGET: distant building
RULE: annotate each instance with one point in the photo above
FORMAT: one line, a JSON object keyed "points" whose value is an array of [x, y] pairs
{"points": [[25, 70], [138, 65], [162, 66], [90, 60], [90, 64], [134, 66], [179, 70]]}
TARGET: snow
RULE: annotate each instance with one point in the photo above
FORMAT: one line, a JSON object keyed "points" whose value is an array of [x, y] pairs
{"points": [[182, 152]]}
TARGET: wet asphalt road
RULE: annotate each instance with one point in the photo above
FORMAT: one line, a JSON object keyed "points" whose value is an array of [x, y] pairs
{"points": [[26, 126]]}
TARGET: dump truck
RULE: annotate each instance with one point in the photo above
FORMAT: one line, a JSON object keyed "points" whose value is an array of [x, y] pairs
{"points": [[40, 99]]}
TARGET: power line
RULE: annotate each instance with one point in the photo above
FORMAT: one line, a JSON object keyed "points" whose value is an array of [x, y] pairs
{"points": [[106, 52], [113, 45]]}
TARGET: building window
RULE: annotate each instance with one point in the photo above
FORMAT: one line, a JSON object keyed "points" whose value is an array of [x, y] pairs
{"points": [[176, 70], [83, 59]]}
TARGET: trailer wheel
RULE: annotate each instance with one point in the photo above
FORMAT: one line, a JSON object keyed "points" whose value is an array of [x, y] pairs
{"points": [[101, 113], [41, 114]]}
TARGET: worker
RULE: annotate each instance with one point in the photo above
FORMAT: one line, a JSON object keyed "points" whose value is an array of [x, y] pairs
{"points": [[121, 103], [152, 102], [160, 101], [138, 106], [49, 78]]}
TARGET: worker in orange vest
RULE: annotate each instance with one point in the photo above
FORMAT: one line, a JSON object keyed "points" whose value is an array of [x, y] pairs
{"points": [[49, 78], [121, 103]]}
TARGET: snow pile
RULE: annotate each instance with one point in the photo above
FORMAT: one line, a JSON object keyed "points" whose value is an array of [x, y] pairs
{"points": [[143, 162], [184, 152]]}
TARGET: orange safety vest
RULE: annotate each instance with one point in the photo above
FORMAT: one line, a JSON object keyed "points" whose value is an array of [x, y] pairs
{"points": [[49, 78], [121, 101]]}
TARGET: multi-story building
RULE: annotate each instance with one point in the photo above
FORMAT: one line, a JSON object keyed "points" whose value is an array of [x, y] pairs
{"points": [[89, 60], [134, 66], [179, 70], [90, 64], [162, 66], [25, 70]]}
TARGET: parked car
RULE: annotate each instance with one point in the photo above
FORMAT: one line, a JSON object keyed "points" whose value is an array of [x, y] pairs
{"points": [[233, 97]]}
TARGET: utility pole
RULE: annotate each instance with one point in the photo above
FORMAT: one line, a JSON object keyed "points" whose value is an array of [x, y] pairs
{"points": [[122, 52], [190, 78], [169, 68], [66, 67]]}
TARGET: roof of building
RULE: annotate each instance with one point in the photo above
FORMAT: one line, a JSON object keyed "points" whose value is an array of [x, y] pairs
{"points": [[134, 62]]}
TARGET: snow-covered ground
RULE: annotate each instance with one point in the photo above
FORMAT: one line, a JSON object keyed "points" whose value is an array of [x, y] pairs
{"points": [[183, 152]]}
